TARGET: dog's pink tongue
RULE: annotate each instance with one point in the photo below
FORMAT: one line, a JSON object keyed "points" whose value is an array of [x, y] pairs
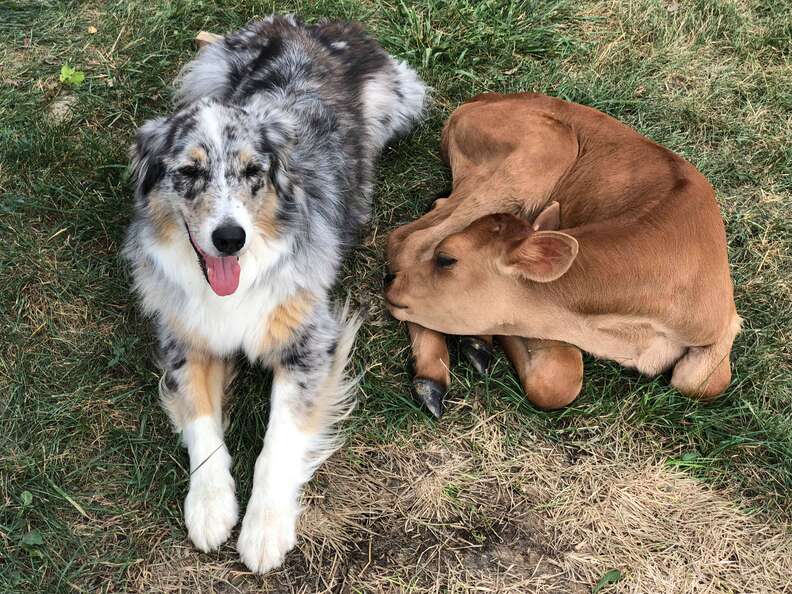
{"points": [[223, 274]]}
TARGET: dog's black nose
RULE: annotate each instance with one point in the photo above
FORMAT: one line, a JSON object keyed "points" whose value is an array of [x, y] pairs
{"points": [[388, 279], [228, 239]]}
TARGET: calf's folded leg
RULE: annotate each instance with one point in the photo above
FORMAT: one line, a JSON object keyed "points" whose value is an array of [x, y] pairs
{"points": [[551, 372], [705, 372], [432, 367]]}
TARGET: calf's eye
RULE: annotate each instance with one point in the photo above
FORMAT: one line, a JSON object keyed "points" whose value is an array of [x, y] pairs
{"points": [[444, 261]]}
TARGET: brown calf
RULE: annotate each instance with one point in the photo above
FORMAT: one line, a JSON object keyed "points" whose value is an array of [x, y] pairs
{"points": [[565, 227]]}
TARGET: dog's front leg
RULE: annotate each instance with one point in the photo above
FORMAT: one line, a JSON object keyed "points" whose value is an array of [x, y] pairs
{"points": [[309, 395], [192, 392]]}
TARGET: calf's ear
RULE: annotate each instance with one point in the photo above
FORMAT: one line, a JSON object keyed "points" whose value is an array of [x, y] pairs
{"points": [[549, 219], [543, 256]]}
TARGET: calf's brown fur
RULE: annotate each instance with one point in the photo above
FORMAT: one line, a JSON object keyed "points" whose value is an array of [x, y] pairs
{"points": [[566, 230]]}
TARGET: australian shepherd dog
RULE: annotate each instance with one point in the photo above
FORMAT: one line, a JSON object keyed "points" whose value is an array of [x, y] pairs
{"points": [[246, 199]]}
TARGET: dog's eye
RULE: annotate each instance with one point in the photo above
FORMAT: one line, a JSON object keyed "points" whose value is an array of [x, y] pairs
{"points": [[252, 170], [191, 171], [444, 261]]}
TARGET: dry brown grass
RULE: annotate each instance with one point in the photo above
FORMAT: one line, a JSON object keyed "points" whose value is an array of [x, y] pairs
{"points": [[489, 508]]}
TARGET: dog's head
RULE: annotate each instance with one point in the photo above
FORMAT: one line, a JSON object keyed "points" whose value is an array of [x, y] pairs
{"points": [[216, 175]]}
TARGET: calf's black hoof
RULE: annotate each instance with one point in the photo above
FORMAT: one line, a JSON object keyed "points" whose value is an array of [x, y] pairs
{"points": [[477, 352], [431, 394]]}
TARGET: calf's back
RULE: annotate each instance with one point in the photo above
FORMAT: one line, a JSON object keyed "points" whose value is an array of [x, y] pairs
{"points": [[652, 241]]}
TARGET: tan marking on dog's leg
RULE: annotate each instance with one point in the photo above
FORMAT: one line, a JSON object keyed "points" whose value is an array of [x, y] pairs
{"points": [[207, 378], [705, 372], [430, 354], [285, 319], [550, 372], [201, 387], [196, 407]]}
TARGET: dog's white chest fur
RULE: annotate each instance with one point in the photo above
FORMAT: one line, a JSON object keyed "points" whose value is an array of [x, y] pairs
{"points": [[232, 323]]}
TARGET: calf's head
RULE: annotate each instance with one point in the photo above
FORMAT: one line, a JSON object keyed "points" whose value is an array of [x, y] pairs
{"points": [[476, 280]]}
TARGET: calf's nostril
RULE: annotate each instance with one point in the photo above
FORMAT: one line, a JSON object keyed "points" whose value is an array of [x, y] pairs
{"points": [[386, 282], [228, 239]]}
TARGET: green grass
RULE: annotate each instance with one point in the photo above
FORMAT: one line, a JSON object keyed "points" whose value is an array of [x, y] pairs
{"points": [[91, 478]]}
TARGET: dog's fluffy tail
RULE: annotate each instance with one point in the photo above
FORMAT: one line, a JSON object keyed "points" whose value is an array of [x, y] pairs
{"points": [[337, 397], [394, 101], [204, 77]]}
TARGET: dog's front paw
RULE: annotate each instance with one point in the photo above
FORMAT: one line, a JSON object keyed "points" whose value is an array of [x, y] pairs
{"points": [[267, 535], [210, 510]]}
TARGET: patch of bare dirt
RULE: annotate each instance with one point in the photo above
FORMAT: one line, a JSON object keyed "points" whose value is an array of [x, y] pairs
{"points": [[488, 509]]}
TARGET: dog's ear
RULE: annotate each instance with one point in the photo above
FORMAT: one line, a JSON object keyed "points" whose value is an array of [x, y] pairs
{"points": [[283, 174], [277, 138], [147, 168]]}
